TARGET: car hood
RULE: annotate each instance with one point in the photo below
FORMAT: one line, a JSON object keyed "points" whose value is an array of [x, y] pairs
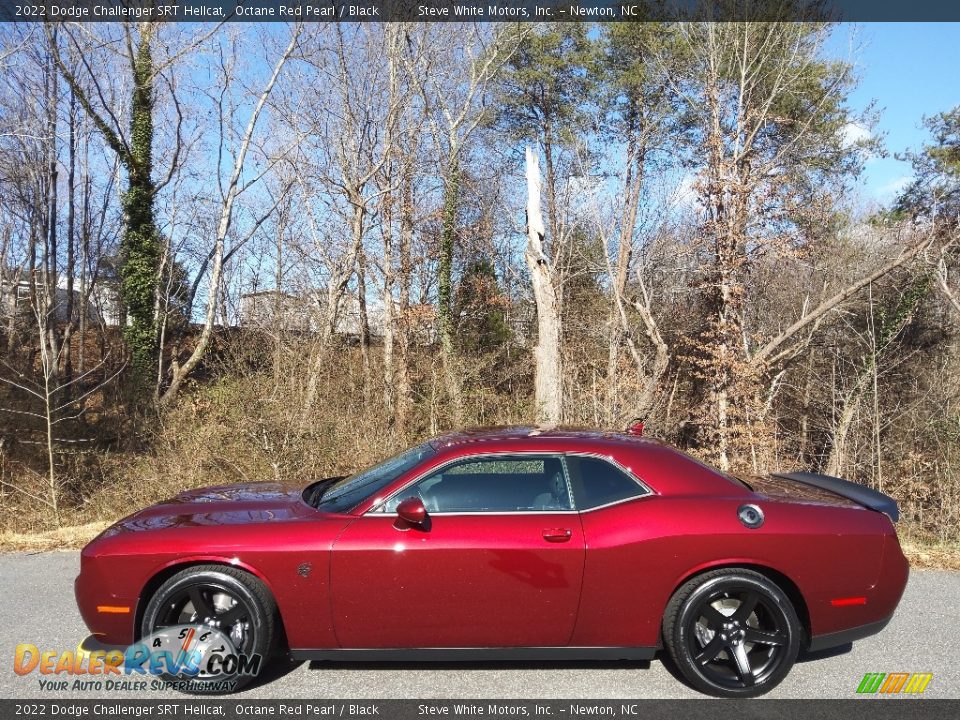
{"points": [[222, 505]]}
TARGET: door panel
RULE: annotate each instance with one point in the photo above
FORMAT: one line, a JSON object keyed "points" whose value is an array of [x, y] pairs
{"points": [[469, 580]]}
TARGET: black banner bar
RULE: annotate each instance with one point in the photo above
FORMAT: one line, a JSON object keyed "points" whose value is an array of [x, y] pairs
{"points": [[858, 709], [474, 10]]}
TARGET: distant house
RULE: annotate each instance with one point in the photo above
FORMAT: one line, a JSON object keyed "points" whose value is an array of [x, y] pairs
{"points": [[103, 306], [306, 313], [14, 297], [105, 301], [278, 310], [421, 319]]}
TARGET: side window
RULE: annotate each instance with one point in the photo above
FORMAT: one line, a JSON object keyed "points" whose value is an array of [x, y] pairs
{"points": [[497, 484], [597, 482]]}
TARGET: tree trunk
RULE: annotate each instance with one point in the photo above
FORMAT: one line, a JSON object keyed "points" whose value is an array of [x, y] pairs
{"points": [[279, 331], [71, 256], [548, 388], [140, 247], [838, 448], [445, 293], [179, 373], [633, 182], [552, 223], [51, 252], [336, 290], [404, 392], [661, 357], [805, 443], [364, 321], [389, 321], [85, 231]]}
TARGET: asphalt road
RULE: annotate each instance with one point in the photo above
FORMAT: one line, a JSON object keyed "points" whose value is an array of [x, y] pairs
{"points": [[37, 606]]}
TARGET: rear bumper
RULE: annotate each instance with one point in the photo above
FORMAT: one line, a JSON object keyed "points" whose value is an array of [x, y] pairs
{"points": [[842, 623], [843, 637]]}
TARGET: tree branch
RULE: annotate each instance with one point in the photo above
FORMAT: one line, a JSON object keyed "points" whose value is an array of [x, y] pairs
{"points": [[767, 355]]}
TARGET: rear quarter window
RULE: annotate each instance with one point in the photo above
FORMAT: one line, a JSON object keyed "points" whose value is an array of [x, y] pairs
{"points": [[598, 482]]}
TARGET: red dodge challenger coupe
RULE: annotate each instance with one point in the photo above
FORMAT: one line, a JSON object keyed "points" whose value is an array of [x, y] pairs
{"points": [[518, 544]]}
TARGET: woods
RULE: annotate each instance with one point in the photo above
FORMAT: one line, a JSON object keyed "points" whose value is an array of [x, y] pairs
{"points": [[255, 252]]}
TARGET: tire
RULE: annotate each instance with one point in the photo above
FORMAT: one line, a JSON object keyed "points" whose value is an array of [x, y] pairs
{"points": [[230, 600], [732, 633]]}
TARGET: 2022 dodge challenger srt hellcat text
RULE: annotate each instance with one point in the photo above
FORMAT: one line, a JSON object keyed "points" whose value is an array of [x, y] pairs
{"points": [[515, 543]]}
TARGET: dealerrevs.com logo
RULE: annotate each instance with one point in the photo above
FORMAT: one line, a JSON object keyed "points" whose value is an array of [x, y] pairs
{"points": [[182, 657], [894, 683]]}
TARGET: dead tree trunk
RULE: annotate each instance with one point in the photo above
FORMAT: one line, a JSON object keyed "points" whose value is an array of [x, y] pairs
{"points": [[548, 389]]}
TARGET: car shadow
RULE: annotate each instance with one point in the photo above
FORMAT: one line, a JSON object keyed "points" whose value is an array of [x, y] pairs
{"points": [[807, 656], [283, 665], [664, 657], [275, 669], [804, 656]]}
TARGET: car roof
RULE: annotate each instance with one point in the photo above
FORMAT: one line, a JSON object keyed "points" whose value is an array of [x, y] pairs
{"points": [[663, 467], [530, 434]]}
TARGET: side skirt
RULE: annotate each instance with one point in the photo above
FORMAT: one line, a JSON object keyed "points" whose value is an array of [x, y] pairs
{"points": [[519, 654]]}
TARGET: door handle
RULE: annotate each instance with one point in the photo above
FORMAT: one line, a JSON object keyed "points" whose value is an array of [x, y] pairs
{"points": [[557, 535]]}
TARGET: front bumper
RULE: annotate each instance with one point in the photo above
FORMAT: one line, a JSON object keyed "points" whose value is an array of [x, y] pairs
{"points": [[102, 609]]}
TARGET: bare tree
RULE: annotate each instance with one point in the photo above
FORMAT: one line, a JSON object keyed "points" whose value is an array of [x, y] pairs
{"points": [[82, 62], [452, 106], [54, 399], [362, 112], [234, 187]]}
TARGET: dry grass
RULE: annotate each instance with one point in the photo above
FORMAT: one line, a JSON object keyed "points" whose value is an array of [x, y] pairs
{"points": [[932, 557], [65, 538]]}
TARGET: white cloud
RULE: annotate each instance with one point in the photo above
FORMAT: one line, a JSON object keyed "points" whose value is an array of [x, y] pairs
{"points": [[854, 133], [684, 195], [891, 189]]}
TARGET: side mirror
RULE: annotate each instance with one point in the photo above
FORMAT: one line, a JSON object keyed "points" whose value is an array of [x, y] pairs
{"points": [[412, 511]]}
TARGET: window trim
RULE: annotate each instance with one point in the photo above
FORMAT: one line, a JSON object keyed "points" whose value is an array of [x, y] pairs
{"points": [[354, 506], [647, 491], [375, 510]]}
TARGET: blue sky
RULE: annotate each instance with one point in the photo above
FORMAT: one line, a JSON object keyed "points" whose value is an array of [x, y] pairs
{"points": [[910, 70]]}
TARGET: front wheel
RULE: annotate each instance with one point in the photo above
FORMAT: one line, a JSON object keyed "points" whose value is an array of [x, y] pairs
{"points": [[732, 633], [216, 626]]}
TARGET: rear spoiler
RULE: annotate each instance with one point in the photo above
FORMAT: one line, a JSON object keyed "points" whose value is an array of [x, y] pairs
{"points": [[852, 491]]}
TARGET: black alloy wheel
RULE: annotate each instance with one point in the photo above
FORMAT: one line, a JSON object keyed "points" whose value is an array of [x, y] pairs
{"points": [[222, 598], [732, 633]]}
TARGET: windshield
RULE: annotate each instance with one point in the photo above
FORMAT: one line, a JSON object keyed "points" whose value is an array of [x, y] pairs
{"points": [[343, 495]]}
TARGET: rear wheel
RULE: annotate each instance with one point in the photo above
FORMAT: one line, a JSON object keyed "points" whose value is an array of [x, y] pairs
{"points": [[732, 633], [224, 599]]}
